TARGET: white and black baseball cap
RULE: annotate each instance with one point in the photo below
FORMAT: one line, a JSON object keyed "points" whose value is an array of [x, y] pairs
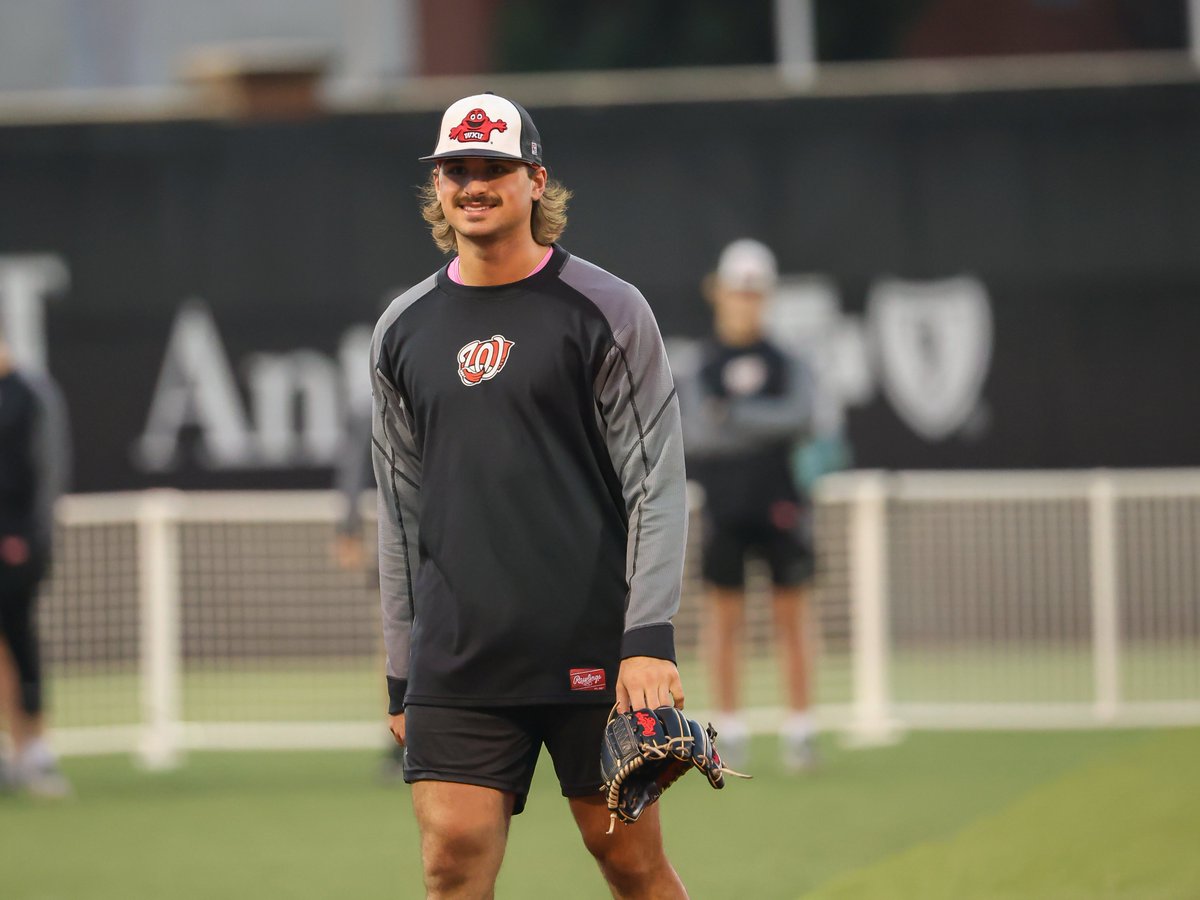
{"points": [[488, 125], [748, 265]]}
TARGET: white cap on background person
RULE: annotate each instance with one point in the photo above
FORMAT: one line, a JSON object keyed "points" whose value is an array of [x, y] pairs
{"points": [[490, 126], [747, 265]]}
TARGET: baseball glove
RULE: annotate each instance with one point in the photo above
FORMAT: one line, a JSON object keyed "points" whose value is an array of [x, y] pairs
{"points": [[646, 751]]}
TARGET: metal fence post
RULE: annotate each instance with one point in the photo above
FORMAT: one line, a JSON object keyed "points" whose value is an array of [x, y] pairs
{"points": [[871, 719], [1105, 574], [158, 586]]}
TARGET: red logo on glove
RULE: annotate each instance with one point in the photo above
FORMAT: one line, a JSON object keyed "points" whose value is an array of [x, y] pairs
{"points": [[587, 680], [476, 126], [648, 722]]}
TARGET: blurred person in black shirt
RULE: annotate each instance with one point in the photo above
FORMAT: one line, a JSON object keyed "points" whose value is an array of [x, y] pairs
{"points": [[34, 459], [745, 409], [353, 474]]}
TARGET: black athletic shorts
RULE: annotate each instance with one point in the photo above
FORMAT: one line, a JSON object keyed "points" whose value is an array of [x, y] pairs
{"points": [[498, 746], [781, 538]]}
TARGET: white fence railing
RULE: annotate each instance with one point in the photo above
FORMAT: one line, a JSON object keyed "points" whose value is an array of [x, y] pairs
{"points": [[177, 621], [1021, 599]]}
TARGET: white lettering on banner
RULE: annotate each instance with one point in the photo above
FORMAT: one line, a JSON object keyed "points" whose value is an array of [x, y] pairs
{"points": [[195, 387], [296, 400], [806, 317], [934, 345], [278, 384], [354, 354], [26, 282], [927, 344]]}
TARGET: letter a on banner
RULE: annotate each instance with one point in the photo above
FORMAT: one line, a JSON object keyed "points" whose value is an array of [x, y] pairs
{"points": [[195, 387]]}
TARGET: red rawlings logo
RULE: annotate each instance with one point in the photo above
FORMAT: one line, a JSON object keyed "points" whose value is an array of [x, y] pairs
{"points": [[648, 722], [476, 126], [587, 680], [482, 360]]}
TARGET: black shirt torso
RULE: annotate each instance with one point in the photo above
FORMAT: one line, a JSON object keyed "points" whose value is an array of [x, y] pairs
{"points": [[18, 414], [741, 489]]}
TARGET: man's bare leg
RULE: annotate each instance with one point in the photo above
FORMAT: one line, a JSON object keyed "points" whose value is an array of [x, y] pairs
{"points": [[22, 727], [726, 622], [464, 829], [790, 607], [726, 607], [10, 703], [632, 858]]}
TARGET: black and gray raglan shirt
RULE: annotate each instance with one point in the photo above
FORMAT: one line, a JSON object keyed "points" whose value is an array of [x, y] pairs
{"points": [[529, 459]]}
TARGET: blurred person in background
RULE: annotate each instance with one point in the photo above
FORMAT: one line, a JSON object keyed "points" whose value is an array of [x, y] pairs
{"points": [[34, 459], [353, 474], [532, 513], [745, 409]]}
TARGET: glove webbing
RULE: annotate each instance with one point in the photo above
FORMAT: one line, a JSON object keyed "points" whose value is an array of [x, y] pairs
{"points": [[614, 791]]}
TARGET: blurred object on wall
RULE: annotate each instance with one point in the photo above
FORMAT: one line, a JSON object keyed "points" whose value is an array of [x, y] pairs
{"points": [[890, 29], [259, 79], [545, 35], [965, 28], [459, 37], [137, 44]]}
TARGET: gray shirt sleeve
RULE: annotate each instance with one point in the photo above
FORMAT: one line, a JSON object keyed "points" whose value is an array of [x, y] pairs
{"points": [[51, 454], [638, 412], [397, 463]]}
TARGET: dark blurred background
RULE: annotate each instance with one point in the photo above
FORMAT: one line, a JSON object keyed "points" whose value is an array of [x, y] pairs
{"points": [[984, 213]]}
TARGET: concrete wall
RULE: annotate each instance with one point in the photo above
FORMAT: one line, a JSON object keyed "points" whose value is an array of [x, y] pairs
{"points": [[56, 44]]}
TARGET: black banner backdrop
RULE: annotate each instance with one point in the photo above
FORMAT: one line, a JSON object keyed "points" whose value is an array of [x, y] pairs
{"points": [[1020, 272]]}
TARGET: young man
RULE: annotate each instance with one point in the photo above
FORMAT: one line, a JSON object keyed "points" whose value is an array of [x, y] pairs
{"points": [[34, 452], [529, 459], [745, 410]]}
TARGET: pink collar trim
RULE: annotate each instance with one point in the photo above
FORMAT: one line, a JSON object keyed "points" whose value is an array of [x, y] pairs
{"points": [[454, 275]]}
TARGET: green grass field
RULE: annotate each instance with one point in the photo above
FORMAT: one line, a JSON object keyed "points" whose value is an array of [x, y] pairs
{"points": [[970, 815], [349, 689]]}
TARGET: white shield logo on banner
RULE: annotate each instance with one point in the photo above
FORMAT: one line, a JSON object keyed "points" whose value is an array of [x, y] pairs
{"points": [[934, 344]]}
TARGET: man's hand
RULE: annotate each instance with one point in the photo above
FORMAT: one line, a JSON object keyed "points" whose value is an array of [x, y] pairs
{"points": [[645, 682], [349, 552], [396, 726]]}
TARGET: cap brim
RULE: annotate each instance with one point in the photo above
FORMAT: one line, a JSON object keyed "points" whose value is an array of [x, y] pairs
{"points": [[467, 154]]}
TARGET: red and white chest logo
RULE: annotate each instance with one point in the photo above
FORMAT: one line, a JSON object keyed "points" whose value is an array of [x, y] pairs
{"points": [[482, 360]]}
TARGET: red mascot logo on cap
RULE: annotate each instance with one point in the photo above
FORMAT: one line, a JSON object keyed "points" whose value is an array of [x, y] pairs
{"points": [[482, 360], [476, 126]]}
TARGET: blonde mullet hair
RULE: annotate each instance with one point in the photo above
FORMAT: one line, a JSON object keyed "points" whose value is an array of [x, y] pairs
{"points": [[548, 222]]}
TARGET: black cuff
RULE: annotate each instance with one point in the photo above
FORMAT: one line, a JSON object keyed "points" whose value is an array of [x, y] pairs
{"points": [[656, 640], [396, 689]]}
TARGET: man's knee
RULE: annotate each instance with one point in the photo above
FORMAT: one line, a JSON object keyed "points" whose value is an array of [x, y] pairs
{"points": [[626, 864], [457, 849], [452, 839]]}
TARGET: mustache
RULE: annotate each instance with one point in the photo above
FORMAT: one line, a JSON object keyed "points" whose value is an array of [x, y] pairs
{"points": [[490, 199]]}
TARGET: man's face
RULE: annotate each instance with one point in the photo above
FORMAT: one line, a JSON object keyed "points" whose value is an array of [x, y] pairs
{"points": [[741, 312], [488, 199]]}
